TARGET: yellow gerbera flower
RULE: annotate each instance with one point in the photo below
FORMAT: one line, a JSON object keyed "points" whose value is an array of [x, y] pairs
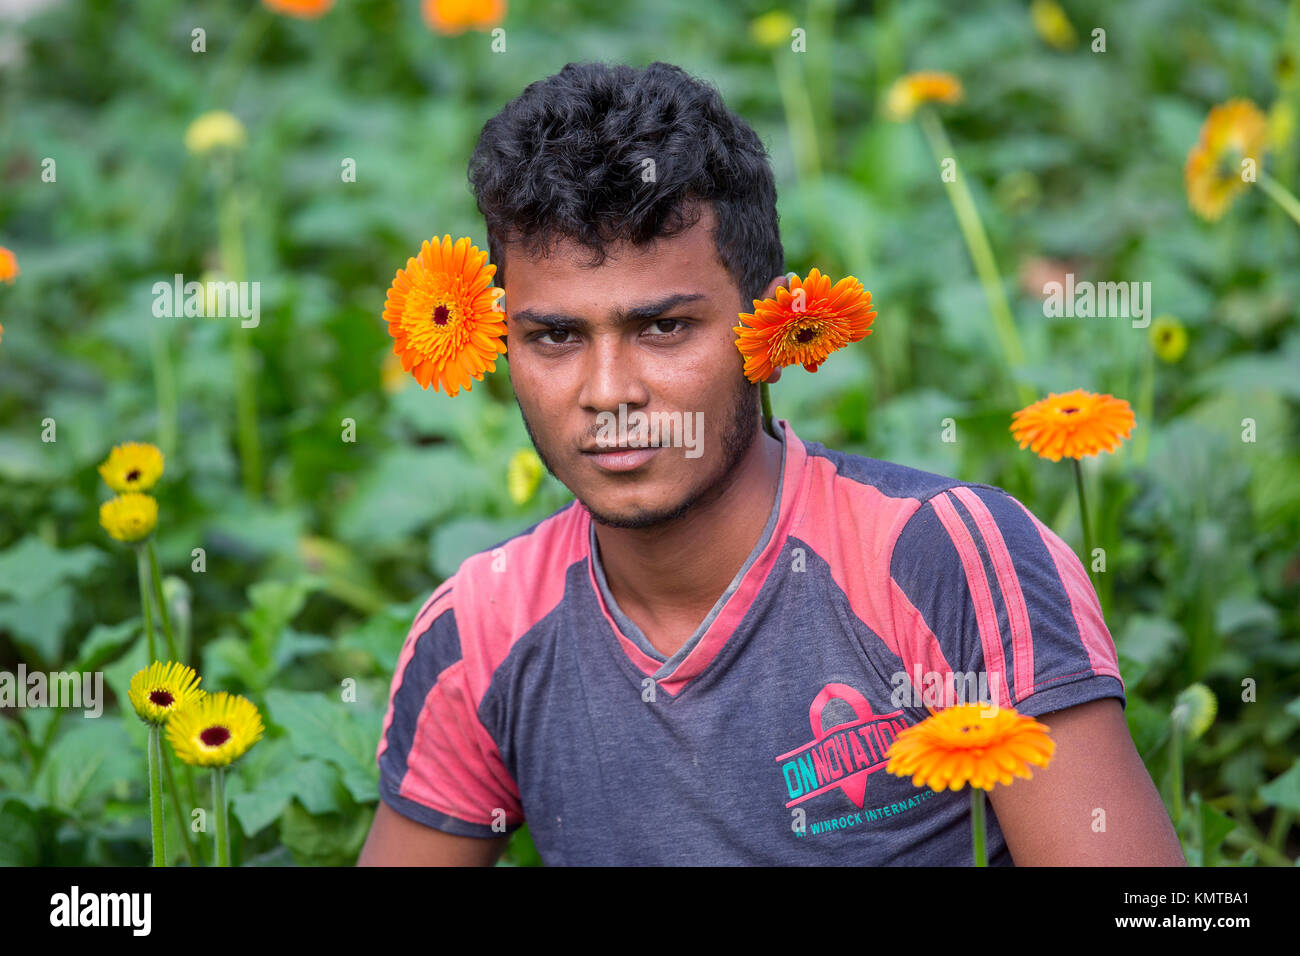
{"points": [[1233, 132], [912, 89], [1168, 338], [129, 517], [1073, 425], [970, 743], [215, 731], [132, 466], [161, 690], [523, 475], [215, 130]]}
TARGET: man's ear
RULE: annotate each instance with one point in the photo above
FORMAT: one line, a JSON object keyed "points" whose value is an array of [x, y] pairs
{"points": [[776, 283]]}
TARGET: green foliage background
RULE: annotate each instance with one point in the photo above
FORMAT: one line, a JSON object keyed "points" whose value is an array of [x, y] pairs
{"points": [[316, 567]]}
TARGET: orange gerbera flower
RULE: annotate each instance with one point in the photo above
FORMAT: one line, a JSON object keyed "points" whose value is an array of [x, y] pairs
{"points": [[303, 9], [8, 265], [971, 743], [1073, 425], [440, 313], [803, 324], [451, 17], [909, 91], [1233, 131]]}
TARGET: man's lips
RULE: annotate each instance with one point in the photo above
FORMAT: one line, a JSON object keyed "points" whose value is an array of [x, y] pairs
{"points": [[620, 458]]}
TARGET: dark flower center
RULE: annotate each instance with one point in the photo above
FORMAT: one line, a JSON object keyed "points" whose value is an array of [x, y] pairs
{"points": [[440, 315], [162, 698], [215, 736], [133, 474], [1069, 411], [805, 336], [1166, 335]]}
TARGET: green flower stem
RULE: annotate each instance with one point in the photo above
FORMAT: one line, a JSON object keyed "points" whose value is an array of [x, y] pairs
{"points": [[162, 604], [1280, 195], [219, 808], [165, 385], [155, 797], [181, 815], [798, 115], [1281, 827], [144, 601], [1176, 770], [768, 424], [981, 253], [1083, 520], [1146, 405], [235, 64], [231, 241], [977, 826]]}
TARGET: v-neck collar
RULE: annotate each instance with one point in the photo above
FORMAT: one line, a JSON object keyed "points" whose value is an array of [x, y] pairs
{"points": [[673, 673]]}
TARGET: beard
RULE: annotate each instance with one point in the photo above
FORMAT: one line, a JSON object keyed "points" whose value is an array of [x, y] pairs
{"points": [[737, 436]]}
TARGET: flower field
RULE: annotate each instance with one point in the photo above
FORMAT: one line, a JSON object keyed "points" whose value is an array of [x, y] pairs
{"points": [[227, 442]]}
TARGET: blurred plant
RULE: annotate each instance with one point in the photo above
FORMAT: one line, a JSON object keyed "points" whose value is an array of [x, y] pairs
{"points": [[971, 743], [1228, 156], [8, 265], [1168, 338], [303, 9], [453, 17], [523, 475], [908, 97], [215, 130], [1052, 24]]}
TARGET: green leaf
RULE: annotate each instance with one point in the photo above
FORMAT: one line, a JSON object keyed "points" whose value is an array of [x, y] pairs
{"points": [[104, 643], [1149, 640], [409, 488], [323, 725], [1283, 791], [32, 567], [332, 839], [381, 636], [38, 622], [457, 539], [87, 763], [315, 783]]}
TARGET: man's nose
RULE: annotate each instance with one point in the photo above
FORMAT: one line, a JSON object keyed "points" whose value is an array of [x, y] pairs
{"points": [[612, 376]]}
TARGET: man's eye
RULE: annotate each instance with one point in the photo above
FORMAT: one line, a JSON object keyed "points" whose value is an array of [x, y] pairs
{"points": [[665, 326], [546, 336]]}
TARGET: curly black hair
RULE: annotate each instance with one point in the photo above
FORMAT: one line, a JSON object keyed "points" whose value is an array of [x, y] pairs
{"points": [[570, 158]]}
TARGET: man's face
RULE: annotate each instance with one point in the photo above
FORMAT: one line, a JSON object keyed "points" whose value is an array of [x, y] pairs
{"points": [[651, 330]]}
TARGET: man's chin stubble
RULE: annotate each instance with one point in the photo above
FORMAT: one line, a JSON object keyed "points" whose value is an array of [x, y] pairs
{"points": [[737, 439]]}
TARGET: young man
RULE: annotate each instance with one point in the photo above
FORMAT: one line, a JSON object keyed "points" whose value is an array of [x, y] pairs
{"points": [[703, 658]]}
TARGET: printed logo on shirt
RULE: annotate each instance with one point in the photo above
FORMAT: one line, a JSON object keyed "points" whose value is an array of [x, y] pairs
{"points": [[843, 756]]}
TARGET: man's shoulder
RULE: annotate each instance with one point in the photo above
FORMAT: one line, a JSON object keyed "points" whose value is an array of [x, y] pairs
{"points": [[498, 593], [551, 544], [912, 487]]}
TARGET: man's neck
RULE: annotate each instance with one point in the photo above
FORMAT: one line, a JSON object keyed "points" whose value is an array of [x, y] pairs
{"points": [[670, 577]]}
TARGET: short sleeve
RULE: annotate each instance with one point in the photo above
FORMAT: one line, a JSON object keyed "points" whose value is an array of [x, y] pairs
{"points": [[1005, 597], [438, 764]]}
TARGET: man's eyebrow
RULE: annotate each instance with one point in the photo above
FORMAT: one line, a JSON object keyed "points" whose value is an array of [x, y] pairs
{"points": [[627, 316]]}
